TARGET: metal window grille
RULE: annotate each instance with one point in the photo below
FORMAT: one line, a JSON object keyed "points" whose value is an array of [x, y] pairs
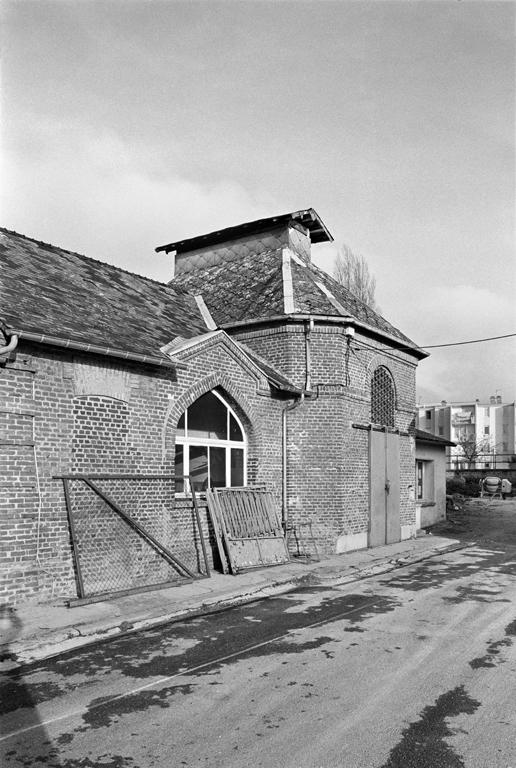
{"points": [[382, 397]]}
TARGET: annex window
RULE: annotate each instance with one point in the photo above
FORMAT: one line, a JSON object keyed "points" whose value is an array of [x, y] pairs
{"points": [[382, 397], [419, 479], [425, 481], [428, 415], [210, 446]]}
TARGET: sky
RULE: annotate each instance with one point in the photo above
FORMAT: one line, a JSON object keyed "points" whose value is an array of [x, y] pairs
{"points": [[129, 124]]}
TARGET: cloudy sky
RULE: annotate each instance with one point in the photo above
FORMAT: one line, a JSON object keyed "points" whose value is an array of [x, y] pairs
{"points": [[127, 124]]}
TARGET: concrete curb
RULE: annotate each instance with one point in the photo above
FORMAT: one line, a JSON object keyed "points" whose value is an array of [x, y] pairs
{"points": [[35, 649]]}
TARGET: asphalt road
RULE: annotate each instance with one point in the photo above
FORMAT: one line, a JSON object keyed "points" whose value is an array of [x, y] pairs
{"points": [[412, 669]]}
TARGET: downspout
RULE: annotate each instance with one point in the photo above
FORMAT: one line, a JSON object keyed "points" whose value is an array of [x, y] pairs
{"points": [[290, 407], [13, 343], [309, 326]]}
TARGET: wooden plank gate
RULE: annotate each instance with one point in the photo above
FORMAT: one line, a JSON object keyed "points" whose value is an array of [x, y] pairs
{"points": [[247, 528]]}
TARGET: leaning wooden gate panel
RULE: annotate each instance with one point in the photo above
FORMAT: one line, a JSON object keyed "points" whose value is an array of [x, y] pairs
{"points": [[384, 488], [119, 544], [248, 528]]}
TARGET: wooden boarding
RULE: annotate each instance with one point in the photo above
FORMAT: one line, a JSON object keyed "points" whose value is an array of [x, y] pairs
{"points": [[247, 528]]}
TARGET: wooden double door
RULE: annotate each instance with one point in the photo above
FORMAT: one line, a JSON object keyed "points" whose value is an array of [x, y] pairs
{"points": [[384, 487]]}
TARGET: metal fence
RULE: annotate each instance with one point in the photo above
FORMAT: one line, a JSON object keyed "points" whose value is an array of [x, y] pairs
{"points": [[127, 536]]}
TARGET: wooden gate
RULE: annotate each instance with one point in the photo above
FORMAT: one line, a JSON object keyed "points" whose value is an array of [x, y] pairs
{"points": [[247, 527], [384, 488]]}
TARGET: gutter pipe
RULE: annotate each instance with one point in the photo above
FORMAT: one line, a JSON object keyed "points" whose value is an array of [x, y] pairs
{"points": [[81, 346], [309, 326], [13, 343]]}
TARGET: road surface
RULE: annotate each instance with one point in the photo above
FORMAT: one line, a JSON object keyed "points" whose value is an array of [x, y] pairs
{"points": [[412, 669]]}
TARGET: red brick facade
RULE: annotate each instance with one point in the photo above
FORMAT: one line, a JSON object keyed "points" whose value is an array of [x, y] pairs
{"points": [[104, 395], [80, 414]]}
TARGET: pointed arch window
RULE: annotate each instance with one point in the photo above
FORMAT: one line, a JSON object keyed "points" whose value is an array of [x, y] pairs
{"points": [[210, 445], [382, 397]]}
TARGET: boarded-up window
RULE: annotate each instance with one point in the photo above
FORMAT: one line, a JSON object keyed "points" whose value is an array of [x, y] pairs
{"points": [[382, 397]]}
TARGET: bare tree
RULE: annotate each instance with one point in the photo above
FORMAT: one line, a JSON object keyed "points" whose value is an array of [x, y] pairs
{"points": [[471, 449], [352, 271]]}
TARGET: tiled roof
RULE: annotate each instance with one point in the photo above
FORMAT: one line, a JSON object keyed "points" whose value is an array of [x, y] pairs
{"points": [[48, 290], [248, 288], [252, 288], [310, 298]]}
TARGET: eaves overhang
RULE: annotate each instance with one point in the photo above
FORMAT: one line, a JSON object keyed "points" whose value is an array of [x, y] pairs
{"points": [[431, 439], [308, 217], [394, 341]]}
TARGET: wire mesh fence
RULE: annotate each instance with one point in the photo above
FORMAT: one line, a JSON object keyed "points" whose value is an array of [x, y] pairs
{"points": [[127, 536]]}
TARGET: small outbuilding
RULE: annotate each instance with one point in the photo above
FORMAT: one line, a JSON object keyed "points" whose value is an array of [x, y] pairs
{"points": [[430, 478]]}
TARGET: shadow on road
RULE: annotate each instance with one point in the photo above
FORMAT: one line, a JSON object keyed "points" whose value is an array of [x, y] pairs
{"points": [[24, 741]]}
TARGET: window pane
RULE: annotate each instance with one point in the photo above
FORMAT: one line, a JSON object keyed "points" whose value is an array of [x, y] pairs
{"points": [[199, 467], [419, 466], [179, 469], [217, 467], [181, 425], [207, 417], [235, 433], [237, 467]]}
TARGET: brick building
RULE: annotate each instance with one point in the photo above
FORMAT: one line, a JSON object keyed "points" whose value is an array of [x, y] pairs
{"points": [[252, 366]]}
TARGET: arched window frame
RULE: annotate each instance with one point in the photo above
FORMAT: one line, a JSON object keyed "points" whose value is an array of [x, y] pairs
{"points": [[390, 422], [186, 442]]}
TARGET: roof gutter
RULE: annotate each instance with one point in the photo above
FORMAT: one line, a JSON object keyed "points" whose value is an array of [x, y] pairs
{"points": [[81, 346], [337, 319]]}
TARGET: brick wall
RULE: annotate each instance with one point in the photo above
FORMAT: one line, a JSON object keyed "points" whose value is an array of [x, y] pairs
{"points": [[64, 414], [328, 466]]}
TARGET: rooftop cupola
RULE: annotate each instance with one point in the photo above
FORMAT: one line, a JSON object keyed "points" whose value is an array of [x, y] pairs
{"points": [[295, 231]]}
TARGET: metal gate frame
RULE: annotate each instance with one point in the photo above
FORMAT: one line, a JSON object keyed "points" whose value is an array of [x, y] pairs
{"points": [[167, 555]]}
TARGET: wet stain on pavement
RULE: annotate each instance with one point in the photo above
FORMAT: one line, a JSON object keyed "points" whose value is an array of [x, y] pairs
{"points": [[474, 592], [203, 642], [435, 574], [103, 712], [492, 656], [510, 629], [489, 660], [423, 744], [102, 761]]}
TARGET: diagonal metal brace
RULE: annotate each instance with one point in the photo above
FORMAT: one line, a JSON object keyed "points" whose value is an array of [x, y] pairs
{"points": [[141, 530]]}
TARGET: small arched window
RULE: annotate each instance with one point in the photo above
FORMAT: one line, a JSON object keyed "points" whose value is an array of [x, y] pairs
{"points": [[210, 446], [382, 397]]}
